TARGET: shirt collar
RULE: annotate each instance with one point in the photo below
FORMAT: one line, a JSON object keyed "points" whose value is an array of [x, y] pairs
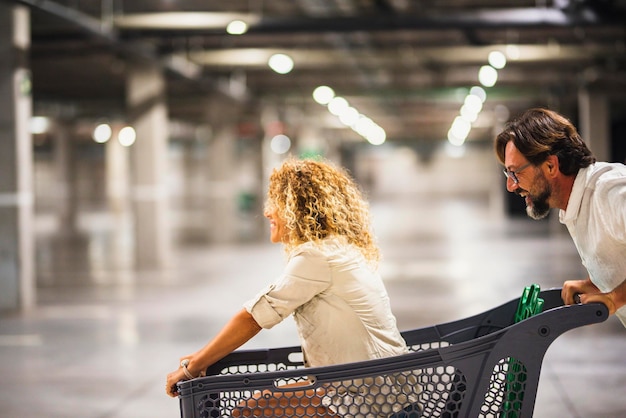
{"points": [[576, 196], [586, 177]]}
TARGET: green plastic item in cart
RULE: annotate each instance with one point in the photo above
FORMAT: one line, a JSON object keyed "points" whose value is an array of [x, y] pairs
{"points": [[529, 304]]}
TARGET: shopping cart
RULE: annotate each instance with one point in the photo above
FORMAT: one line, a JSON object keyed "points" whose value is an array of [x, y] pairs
{"points": [[487, 365]]}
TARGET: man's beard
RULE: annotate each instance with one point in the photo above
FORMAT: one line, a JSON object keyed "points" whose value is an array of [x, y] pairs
{"points": [[539, 207]]}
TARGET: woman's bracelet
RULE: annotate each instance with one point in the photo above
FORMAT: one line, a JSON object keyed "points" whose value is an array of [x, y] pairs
{"points": [[184, 365]]}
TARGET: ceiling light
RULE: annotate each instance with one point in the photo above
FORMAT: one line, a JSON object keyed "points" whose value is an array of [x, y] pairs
{"points": [[281, 63], [102, 133], [473, 103], [455, 151], [488, 76], [337, 105], [513, 52], [323, 95], [497, 59], [39, 125], [349, 116], [479, 92], [363, 125], [127, 136], [182, 20], [237, 27], [280, 144], [376, 135], [454, 140], [468, 113], [459, 130]]}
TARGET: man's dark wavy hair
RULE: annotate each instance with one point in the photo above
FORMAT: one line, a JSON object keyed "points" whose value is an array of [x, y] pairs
{"points": [[538, 133]]}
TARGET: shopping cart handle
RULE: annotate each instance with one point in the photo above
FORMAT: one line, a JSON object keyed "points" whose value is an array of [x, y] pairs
{"points": [[577, 298]]}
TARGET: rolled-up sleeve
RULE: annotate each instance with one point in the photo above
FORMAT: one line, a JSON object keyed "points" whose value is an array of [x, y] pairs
{"points": [[306, 275]]}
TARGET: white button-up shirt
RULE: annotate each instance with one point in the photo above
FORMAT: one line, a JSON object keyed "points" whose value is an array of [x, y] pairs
{"points": [[339, 303], [596, 220]]}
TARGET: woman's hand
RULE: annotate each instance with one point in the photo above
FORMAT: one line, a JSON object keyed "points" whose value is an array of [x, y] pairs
{"points": [[241, 327], [175, 377]]}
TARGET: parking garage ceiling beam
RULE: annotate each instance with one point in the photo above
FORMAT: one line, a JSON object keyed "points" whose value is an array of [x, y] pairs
{"points": [[521, 18], [482, 19], [96, 28]]}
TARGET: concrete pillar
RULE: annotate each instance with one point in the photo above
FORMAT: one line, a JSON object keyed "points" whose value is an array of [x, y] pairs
{"points": [[17, 278], [221, 187], [117, 173], [269, 118], [497, 192], [594, 115], [64, 167], [148, 113]]}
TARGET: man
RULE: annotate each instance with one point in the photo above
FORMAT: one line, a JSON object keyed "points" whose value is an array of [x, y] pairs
{"points": [[548, 164]]}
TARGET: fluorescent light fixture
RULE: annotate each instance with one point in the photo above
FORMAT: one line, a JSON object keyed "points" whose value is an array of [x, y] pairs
{"points": [[280, 144], [479, 92], [487, 75], [127, 136], [349, 116], [459, 131], [281, 63], [473, 103], [455, 151], [497, 60], [337, 105], [237, 27], [102, 133], [468, 113], [323, 95], [513, 52], [376, 135], [39, 125], [183, 20]]}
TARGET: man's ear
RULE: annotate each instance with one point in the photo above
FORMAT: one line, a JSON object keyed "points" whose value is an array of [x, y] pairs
{"points": [[552, 165]]}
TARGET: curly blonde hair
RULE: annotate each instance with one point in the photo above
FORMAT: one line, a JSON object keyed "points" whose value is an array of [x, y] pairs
{"points": [[317, 199]]}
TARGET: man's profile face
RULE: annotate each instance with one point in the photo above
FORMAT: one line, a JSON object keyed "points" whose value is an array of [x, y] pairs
{"points": [[529, 182]]}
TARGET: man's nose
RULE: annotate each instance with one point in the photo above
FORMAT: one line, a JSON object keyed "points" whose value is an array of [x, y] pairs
{"points": [[511, 186]]}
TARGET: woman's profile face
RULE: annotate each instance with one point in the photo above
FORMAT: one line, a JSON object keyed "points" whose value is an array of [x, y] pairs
{"points": [[278, 229]]}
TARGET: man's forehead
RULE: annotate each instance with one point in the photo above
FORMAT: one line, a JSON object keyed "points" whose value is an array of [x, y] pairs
{"points": [[512, 156]]}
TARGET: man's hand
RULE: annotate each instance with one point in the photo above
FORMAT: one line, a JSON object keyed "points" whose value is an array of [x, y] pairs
{"points": [[584, 288], [605, 298]]}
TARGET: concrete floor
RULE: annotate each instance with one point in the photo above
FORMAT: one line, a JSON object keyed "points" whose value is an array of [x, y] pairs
{"points": [[104, 335]]}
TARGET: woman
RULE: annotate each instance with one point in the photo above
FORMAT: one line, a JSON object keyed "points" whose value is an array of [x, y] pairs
{"points": [[330, 284]]}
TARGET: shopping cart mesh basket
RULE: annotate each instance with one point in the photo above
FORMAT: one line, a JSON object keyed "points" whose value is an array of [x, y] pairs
{"points": [[487, 365]]}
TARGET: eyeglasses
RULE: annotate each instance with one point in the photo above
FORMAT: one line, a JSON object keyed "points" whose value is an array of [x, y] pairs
{"points": [[512, 174]]}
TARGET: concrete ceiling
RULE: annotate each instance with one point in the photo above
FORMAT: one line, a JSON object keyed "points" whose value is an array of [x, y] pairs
{"points": [[406, 64]]}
